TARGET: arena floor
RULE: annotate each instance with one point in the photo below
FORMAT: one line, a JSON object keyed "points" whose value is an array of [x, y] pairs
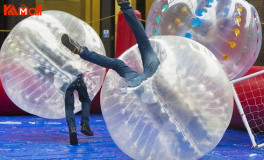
{"points": [[31, 137]]}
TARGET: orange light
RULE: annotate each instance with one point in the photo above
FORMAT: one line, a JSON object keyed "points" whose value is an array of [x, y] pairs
{"points": [[226, 57], [177, 21], [184, 9]]}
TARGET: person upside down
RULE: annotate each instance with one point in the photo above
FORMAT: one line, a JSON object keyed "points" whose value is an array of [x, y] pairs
{"points": [[149, 59]]}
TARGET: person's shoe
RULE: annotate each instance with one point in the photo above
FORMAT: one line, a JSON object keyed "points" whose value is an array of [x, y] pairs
{"points": [[73, 136], [85, 129], [70, 44]]}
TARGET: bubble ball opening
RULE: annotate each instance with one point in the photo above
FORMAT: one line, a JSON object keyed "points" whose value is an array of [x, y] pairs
{"points": [[36, 68], [181, 112], [223, 26]]}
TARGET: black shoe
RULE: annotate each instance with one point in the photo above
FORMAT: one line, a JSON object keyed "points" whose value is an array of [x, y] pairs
{"points": [[86, 129], [73, 136], [70, 44]]}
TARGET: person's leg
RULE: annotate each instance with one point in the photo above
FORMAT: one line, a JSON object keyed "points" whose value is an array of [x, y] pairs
{"points": [[86, 103], [117, 65], [149, 57], [69, 107], [70, 117], [111, 63]]}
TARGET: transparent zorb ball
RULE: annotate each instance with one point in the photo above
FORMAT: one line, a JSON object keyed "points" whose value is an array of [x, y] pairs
{"points": [[36, 68], [181, 112], [231, 30]]}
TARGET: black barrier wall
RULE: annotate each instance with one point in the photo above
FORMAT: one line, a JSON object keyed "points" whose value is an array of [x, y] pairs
{"points": [[9, 21], [107, 27], [2, 37]]}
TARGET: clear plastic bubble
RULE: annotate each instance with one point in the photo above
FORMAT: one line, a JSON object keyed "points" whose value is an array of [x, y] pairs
{"points": [[229, 29], [37, 69], [181, 112]]}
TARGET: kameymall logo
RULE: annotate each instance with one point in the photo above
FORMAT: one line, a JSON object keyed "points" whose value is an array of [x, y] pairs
{"points": [[10, 10]]}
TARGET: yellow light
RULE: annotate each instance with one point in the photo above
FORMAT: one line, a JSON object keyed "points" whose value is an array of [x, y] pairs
{"points": [[237, 31], [238, 19], [239, 9], [232, 44]]}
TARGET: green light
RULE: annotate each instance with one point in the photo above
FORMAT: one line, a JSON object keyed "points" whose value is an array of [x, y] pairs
{"points": [[158, 19], [164, 8], [155, 32]]}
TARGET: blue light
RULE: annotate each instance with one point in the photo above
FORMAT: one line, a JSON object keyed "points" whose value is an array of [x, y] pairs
{"points": [[200, 12], [188, 35], [209, 3], [196, 22]]}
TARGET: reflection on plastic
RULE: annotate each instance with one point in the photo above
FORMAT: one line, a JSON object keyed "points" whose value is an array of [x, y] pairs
{"points": [[180, 113], [36, 68], [231, 30]]}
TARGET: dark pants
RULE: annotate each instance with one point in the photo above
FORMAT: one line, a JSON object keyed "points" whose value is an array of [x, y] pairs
{"points": [[80, 87], [149, 57]]}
